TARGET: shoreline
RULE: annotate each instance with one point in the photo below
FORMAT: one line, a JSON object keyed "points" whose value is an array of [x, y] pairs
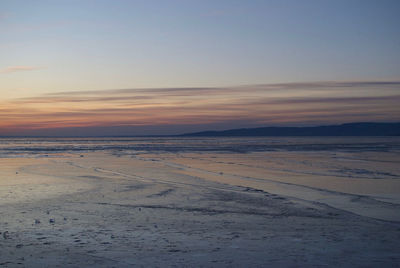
{"points": [[124, 210]]}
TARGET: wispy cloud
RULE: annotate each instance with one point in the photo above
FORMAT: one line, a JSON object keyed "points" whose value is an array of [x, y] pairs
{"points": [[189, 91], [13, 69], [254, 105]]}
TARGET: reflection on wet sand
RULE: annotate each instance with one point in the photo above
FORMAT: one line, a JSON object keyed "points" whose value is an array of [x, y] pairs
{"points": [[81, 206]]}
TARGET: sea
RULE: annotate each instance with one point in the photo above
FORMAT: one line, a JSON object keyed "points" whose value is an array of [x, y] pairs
{"points": [[47, 146]]}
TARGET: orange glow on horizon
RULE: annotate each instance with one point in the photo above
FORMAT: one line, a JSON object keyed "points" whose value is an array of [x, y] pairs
{"points": [[260, 105]]}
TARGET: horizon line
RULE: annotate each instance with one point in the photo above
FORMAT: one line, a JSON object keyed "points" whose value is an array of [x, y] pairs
{"points": [[187, 134]]}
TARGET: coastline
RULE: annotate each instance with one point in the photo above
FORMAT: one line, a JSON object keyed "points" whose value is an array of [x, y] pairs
{"points": [[149, 210]]}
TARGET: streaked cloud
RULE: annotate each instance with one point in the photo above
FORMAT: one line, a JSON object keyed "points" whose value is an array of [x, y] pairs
{"points": [[171, 109], [13, 69]]}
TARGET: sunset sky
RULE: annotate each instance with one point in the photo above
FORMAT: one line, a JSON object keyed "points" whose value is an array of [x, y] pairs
{"points": [[166, 67]]}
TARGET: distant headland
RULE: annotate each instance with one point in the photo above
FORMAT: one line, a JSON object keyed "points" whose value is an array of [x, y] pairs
{"points": [[349, 129]]}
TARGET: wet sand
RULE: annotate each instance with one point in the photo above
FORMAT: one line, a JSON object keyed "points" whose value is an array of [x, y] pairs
{"points": [[200, 209]]}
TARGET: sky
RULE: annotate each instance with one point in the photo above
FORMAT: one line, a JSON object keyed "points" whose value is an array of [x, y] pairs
{"points": [[85, 67]]}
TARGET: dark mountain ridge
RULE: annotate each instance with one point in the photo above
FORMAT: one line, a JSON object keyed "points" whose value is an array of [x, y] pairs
{"points": [[348, 129]]}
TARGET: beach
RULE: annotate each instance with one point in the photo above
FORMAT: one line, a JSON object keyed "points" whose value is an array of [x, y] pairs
{"points": [[198, 202]]}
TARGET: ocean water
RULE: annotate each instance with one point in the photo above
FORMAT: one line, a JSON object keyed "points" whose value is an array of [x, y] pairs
{"points": [[46, 147]]}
